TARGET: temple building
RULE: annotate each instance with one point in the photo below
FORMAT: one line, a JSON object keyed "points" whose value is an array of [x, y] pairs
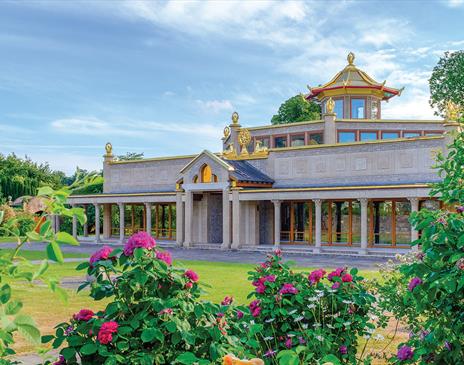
{"points": [[345, 183]]}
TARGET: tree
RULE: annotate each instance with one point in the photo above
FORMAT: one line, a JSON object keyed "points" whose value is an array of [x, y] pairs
{"points": [[297, 109], [130, 156], [447, 82]]}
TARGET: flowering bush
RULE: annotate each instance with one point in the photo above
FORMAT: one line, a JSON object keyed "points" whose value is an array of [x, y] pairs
{"points": [[300, 318], [154, 317], [427, 291]]}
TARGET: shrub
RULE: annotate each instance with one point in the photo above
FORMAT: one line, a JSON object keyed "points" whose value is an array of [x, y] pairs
{"points": [[25, 222], [303, 318], [8, 212], [154, 317]]}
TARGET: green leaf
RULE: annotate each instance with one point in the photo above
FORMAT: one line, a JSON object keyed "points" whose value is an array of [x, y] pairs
{"points": [[42, 269], [139, 253], [13, 307], [27, 328], [45, 190], [88, 349], [5, 293], [150, 334], [33, 236], [2, 215], [54, 252], [186, 358], [64, 238], [331, 358]]}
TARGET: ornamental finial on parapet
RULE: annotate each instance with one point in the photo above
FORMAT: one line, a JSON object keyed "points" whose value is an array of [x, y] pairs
{"points": [[350, 58], [330, 106], [109, 150], [235, 118]]}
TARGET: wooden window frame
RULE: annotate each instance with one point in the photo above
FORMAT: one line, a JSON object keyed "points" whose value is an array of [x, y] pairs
{"points": [[309, 133], [360, 131], [421, 133], [388, 131], [260, 138], [279, 136], [291, 135]]}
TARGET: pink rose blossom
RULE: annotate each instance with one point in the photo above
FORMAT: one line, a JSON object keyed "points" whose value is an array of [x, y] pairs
{"points": [[84, 315], [347, 278], [405, 353], [227, 300], [413, 283], [139, 240], [167, 311], [192, 275], [336, 273], [288, 343], [164, 256], [189, 285], [105, 334], [288, 288], [336, 285], [316, 276], [255, 308], [239, 314], [102, 254]]}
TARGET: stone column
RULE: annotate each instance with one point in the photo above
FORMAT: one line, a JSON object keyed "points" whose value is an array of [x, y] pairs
{"points": [[107, 222], [277, 204], [179, 219], [148, 217], [97, 223], [318, 228], [235, 219], [225, 219], [414, 233], [74, 224], [188, 218], [86, 224], [363, 202], [330, 128], [122, 218]]}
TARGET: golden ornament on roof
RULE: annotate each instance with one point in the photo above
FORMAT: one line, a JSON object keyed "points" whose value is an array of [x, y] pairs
{"points": [[235, 118], [244, 139], [109, 149], [226, 132], [350, 58]]}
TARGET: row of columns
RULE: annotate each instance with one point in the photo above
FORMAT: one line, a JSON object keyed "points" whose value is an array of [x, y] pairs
{"points": [[318, 223]]}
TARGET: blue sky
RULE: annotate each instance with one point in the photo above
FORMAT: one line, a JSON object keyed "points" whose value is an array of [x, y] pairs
{"points": [[164, 77]]}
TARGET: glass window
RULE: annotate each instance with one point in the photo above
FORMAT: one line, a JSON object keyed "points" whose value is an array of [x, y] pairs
{"points": [[344, 137], [390, 135], [368, 136], [297, 140], [315, 138], [411, 134], [357, 108], [280, 142], [430, 134], [338, 109]]}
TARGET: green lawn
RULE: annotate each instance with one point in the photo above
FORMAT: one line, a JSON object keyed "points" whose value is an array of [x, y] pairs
{"points": [[40, 255]]}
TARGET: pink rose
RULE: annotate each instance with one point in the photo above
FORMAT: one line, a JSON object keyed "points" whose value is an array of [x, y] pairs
{"points": [[102, 254], [192, 275], [105, 334], [139, 240], [316, 276], [164, 256], [84, 315], [347, 278]]}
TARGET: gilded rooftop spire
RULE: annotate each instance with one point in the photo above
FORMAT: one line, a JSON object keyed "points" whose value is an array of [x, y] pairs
{"points": [[350, 58]]}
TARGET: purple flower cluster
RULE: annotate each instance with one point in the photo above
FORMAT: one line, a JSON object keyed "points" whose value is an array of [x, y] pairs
{"points": [[288, 288], [164, 256], [102, 254], [260, 283], [405, 353], [139, 240], [255, 308], [316, 276], [413, 283]]}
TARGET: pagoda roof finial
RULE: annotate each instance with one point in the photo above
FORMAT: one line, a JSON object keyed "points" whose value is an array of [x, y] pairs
{"points": [[350, 58]]}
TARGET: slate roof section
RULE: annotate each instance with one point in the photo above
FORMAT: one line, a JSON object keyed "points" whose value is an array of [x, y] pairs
{"points": [[246, 172]]}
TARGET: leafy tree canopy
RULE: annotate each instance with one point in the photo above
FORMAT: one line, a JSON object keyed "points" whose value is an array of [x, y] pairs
{"points": [[129, 156], [22, 176], [297, 109], [447, 82]]}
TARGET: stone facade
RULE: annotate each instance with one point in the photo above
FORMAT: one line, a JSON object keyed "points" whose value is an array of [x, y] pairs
{"points": [[249, 195]]}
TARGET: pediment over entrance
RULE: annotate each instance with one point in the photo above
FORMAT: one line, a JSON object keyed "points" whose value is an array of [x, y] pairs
{"points": [[209, 168]]}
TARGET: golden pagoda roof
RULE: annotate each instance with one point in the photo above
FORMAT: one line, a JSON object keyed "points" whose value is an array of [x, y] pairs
{"points": [[351, 80]]}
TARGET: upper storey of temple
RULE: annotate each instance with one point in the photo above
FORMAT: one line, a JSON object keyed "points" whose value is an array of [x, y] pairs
{"points": [[356, 95]]}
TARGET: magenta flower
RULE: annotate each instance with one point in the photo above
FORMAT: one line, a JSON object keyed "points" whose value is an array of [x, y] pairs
{"points": [[61, 361], [192, 275], [239, 314], [102, 254], [164, 256], [316, 276], [105, 334], [405, 353], [336, 285], [413, 283], [227, 300], [288, 343], [460, 209], [255, 308], [278, 252], [139, 240], [270, 353], [343, 349], [347, 278], [288, 288], [84, 315], [336, 273], [167, 311]]}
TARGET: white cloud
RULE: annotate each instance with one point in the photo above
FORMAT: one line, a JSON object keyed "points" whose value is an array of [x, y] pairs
{"points": [[92, 126], [411, 105], [215, 106], [455, 3]]}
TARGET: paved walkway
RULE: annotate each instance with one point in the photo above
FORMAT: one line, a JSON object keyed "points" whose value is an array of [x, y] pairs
{"points": [[304, 259]]}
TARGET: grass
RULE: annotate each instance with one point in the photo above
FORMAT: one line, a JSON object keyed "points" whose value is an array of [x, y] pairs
{"points": [[223, 279], [40, 255]]}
